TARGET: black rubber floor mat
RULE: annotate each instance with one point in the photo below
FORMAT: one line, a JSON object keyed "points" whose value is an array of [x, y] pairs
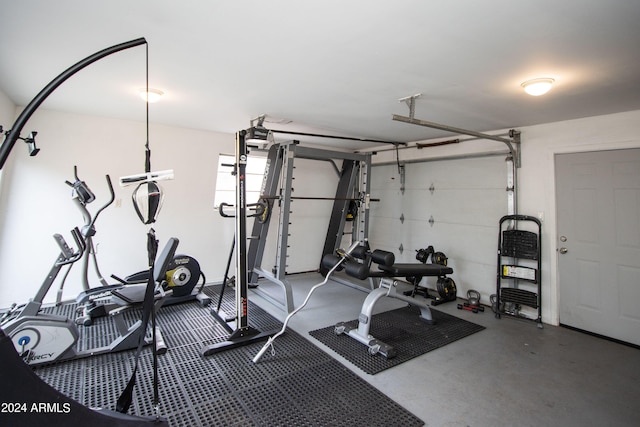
{"points": [[299, 385], [402, 329]]}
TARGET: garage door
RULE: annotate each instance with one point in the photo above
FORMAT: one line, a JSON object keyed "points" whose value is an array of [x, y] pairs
{"points": [[454, 205]]}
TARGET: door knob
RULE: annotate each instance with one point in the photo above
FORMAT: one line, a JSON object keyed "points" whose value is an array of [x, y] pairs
{"points": [[563, 250]]}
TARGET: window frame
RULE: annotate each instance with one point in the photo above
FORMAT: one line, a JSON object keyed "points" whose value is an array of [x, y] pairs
{"points": [[224, 185]]}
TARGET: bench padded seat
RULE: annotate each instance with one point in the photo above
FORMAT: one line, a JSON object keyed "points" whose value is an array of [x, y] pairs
{"points": [[419, 270]]}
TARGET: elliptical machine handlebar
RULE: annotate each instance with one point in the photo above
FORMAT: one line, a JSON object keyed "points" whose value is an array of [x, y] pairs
{"points": [[83, 195], [80, 189], [112, 198]]}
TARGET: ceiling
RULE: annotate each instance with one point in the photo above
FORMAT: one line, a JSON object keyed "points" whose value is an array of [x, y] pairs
{"points": [[328, 66]]}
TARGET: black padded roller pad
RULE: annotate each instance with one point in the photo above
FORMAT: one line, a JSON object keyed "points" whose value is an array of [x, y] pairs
{"points": [[417, 270], [329, 260], [381, 257], [360, 252], [359, 271]]}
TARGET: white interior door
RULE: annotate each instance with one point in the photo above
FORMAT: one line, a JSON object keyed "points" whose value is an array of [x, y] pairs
{"points": [[598, 214]]}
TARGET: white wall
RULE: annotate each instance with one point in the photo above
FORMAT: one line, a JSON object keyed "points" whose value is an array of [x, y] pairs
{"points": [[536, 177], [7, 117], [37, 204], [7, 111]]}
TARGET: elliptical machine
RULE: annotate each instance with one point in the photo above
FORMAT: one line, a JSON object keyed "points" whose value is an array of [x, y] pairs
{"points": [[44, 338], [81, 195]]}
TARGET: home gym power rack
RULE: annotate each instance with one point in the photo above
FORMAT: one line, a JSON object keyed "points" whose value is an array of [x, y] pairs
{"points": [[248, 268], [277, 185]]}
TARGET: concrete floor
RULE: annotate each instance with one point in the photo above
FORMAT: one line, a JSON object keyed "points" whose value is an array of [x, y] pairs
{"points": [[510, 374]]}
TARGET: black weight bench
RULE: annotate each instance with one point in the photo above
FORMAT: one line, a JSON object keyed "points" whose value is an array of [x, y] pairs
{"points": [[387, 271], [410, 270]]}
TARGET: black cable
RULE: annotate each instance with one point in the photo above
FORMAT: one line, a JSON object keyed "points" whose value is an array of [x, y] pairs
{"points": [[147, 160]]}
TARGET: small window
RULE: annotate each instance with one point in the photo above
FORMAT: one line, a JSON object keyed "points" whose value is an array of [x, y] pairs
{"points": [[226, 182]]}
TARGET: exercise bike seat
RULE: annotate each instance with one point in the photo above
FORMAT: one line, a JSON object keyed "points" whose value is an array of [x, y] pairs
{"points": [[415, 270], [134, 293]]}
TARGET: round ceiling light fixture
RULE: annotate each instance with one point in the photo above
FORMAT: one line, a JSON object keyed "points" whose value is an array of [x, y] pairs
{"points": [[537, 87], [152, 95]]}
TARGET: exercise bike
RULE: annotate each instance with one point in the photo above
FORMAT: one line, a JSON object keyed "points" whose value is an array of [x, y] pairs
{"points": [[183, 280], [43, 338]]}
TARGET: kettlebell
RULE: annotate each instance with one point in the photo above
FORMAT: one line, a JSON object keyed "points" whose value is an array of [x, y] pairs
{"points": [[497, 308], [473, 298]]}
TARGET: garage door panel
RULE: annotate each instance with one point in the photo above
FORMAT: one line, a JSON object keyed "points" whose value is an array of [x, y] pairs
{"points": [[466, 209], [476, 173]]}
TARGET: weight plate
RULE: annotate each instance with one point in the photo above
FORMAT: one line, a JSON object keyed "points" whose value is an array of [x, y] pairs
{"points": [[446, 288], [264, 215], [439, 258]]}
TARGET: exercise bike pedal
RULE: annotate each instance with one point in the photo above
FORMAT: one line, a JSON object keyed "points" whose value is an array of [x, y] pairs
{"points": [[203, 299], [85, 320]]}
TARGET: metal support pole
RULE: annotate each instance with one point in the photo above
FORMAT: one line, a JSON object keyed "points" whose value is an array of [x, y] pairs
{"points": [[285, 213], [508, 142], [242, 277]]}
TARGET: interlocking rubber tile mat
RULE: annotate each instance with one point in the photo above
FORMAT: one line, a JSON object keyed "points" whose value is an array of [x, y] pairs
{"points": [[300, 385]]}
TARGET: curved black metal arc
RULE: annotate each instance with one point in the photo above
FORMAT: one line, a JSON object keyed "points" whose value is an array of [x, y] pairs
{"points": [[14, 133]]}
